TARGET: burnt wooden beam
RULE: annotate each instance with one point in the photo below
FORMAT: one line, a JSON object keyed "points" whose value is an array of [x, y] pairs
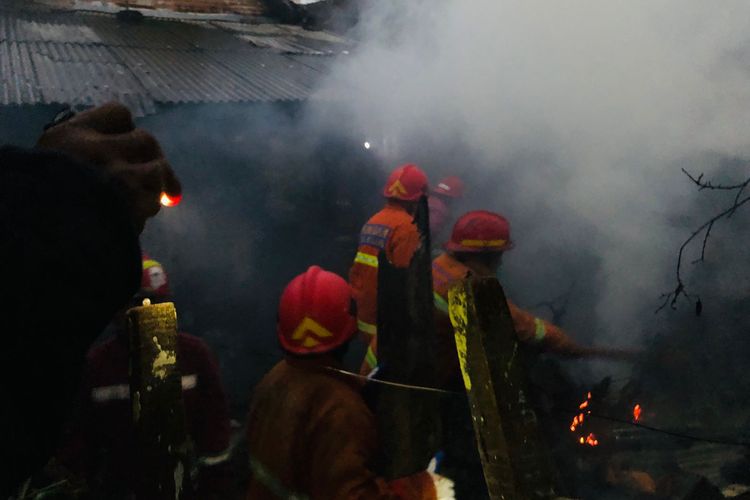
{"points": [[163, 448], [516, 463], [408, 420]]}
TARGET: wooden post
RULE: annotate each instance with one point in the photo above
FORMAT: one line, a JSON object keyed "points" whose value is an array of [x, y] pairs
{"points": [[157, 407], [517, 465], [408, 420]]}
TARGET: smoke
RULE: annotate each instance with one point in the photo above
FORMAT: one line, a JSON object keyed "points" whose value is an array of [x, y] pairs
{"points": [[574, 119], [268, 191]]}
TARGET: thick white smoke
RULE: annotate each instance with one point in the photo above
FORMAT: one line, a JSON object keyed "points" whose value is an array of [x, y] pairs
{"points": [[604, 100]]}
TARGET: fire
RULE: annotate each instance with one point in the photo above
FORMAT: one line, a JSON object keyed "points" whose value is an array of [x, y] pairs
{"points": [[591, 440], [578, 420], [636, 413], [170, 201]]}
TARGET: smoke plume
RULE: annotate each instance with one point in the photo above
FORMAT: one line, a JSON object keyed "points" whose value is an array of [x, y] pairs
{"points": [[574, 119]]}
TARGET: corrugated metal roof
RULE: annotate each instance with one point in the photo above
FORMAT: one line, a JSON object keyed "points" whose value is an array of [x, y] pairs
{"points": [[75, 58]]}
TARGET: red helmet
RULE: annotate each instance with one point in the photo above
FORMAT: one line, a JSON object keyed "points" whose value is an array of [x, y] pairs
{"points": [[407, 183], [450, 187], [154, 280], [315, 313], [480, 231]]}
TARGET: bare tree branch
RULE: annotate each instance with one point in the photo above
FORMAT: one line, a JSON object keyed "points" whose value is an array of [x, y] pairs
{"points": [[705, 241], [736, 199], [708, 185], [679, 291]]}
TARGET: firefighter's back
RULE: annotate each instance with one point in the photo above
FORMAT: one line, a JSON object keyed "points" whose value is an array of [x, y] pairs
{"points": [[295, 411], [390, 230]]}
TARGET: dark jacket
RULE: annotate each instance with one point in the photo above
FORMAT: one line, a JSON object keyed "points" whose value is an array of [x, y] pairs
{"points": [[69, 259], [310, 434], [99, 446]]}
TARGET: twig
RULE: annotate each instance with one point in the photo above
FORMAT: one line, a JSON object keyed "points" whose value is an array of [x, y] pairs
{"points": [[705, 240], [708, 185], [736, 198], [672, 297]]}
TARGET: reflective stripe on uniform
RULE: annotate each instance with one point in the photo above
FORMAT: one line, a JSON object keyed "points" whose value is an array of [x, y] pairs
{"points": [[271, 482], [370, 358], [366, 259], [539, 330], [110, 392], [209, 460], [367, 327], [440, 302], [122, 391], [189, 382]]}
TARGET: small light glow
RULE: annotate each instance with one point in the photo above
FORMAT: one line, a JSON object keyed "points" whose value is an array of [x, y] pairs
{"points": [[146, 302], [170, 201], [367, 145]]}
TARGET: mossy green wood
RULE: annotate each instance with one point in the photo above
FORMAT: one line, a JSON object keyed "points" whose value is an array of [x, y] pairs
{"points": [[516, 463], [163, 448]]}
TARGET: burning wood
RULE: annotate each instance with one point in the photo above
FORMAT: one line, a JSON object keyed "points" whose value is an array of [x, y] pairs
{"points": [[585, 407]]}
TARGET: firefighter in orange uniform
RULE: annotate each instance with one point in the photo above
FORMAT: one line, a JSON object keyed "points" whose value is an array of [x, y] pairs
{"points": [[476, 247], [391, 230], [443, 198], [310, 433]]}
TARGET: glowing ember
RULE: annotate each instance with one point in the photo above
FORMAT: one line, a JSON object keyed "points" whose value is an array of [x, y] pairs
{"points": [[578, 420], [591, 440], [636, 413], [170, 201]]}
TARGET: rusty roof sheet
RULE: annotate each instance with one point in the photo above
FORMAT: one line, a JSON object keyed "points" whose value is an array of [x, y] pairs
{"points": [[85, 59]]}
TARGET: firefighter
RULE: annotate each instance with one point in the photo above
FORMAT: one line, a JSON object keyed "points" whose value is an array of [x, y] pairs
{"points": [[391, 230], [310, 433], [71, 210], [443, 198], [99, 446], [476, 247]]}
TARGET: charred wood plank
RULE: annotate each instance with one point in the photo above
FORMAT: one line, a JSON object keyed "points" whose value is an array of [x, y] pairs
{"points": [[516, 463], [408, 420], [163, 449]]}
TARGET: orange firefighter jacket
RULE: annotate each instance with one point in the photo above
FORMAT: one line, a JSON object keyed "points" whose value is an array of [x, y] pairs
{"points": [[392, 230], [446, 270], [310, 435]]}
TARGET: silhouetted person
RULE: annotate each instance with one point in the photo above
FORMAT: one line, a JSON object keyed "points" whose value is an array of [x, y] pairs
{"points": [[71, 211]]}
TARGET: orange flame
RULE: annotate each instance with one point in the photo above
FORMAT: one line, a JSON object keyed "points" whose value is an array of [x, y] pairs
{"points": [[170, 201], [591, 440], [637, 413], [578, 421]]}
